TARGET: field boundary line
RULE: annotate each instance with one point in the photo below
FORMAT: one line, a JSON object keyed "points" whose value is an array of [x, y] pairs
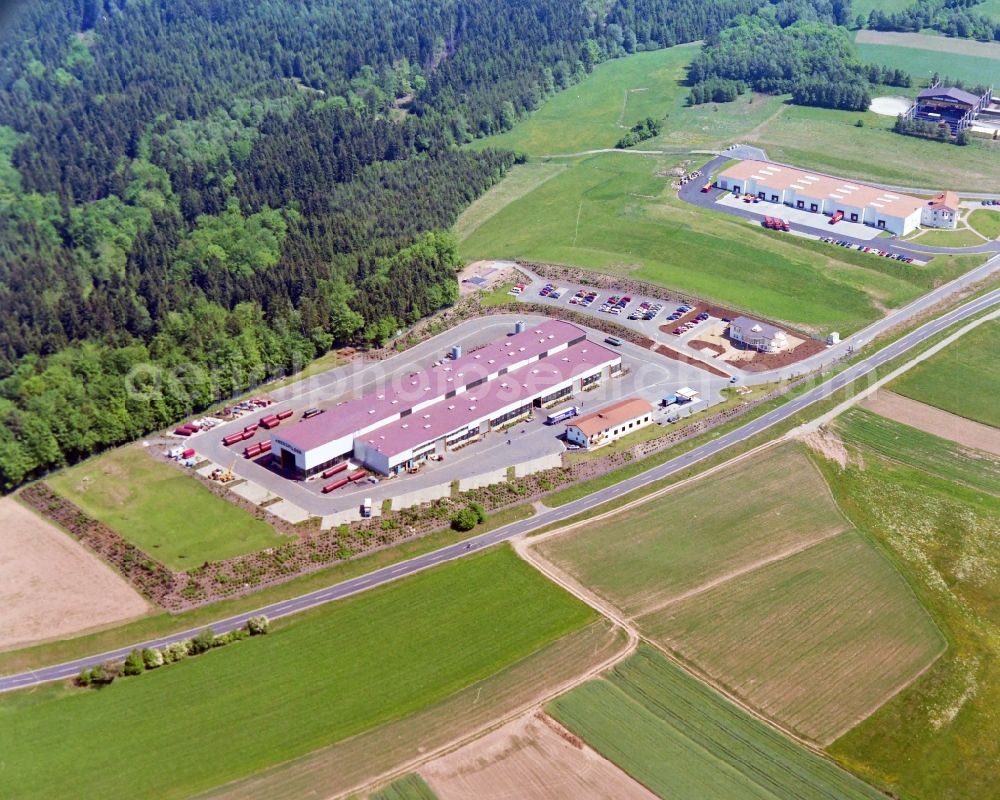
{"points": [[536, 704], [553, 573], [753, 566], [542, 537]]}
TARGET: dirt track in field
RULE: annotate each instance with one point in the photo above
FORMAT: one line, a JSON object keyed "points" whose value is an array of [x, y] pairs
{"points": [[933, 420], [531, 758], [50, 586]]}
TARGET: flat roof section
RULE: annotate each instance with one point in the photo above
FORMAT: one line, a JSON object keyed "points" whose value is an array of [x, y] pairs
{"points": [[781, 177], [428, 384], [521, 385]]}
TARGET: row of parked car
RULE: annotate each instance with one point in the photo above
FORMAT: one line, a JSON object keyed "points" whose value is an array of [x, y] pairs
{"points": [[991, 202], [550, 290], [776, 224], [680, 312], [616, 305], [864, 248], [646, 311], [584, 298]]}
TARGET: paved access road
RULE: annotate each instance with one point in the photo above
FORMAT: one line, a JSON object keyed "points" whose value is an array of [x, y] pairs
{"points": [[418, 563], [691, 193]]}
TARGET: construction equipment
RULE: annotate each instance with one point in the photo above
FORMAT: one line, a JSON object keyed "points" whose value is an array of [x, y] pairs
{"points": [[224, 475]]}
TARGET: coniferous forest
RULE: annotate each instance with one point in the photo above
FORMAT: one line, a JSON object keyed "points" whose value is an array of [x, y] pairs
{"points": [[198, 195]]}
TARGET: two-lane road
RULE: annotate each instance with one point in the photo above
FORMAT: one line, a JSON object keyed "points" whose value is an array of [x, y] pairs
{"points": [[402, 569]]}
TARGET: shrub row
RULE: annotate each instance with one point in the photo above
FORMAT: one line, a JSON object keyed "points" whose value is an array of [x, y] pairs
{"points": [[139, 661]]}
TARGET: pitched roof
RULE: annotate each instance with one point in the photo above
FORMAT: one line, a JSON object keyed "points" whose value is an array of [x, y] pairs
{"points": [[610, 416], [748, 325], [950, 93], [948, 200]]}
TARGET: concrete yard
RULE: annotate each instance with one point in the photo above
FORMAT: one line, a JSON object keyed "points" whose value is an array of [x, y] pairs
{"points": [[644, 376], [798, 218]]}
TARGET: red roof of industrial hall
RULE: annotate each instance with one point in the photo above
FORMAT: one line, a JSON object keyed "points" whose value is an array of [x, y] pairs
{"points": [[433, 382], [449, 415]]}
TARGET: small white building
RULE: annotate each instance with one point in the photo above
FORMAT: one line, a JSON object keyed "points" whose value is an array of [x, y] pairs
{"points": [[941, 211], [610, 423], [758, 335]]}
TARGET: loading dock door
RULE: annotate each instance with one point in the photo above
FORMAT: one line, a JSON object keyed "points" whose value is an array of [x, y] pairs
{"points": [[288, 460]]}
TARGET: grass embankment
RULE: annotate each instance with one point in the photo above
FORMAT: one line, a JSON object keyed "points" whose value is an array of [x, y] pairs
{"points": [[916, 448], [162, 624], [964, 378], [939, 737], [682, 740], [409, 787], [598, 111], [618, 215], [947, 238], [986, 221], [161, 509], [321, 677]]}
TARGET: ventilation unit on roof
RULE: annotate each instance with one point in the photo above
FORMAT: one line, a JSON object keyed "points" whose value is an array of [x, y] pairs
{"points": [[427, 416], [381, 397], [371, 411], [426, 426], [451, 408], [405, 425]]}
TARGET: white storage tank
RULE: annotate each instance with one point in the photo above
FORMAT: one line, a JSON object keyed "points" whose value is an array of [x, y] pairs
{"points": [[456, 352]]}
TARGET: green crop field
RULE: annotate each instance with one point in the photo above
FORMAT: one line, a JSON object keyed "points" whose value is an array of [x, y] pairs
{"points": [[160, 509], [939, 737], [409, 787], [816, 641], [919, 449], [922, 64], [964, 378], [318, 678], [647, 556], [683, 741], [827, 140], [986, 221], [599, 110], [615, 213]]}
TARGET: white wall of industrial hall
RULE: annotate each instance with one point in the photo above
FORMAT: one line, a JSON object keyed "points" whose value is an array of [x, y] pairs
{"points": [[450, 402]]}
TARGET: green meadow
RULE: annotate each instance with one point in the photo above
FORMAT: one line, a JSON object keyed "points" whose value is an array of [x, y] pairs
{"points": [[316, 679]]}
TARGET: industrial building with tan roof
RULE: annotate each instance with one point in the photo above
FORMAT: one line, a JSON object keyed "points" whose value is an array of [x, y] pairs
{"points": [[610, 423], [823, 194]]}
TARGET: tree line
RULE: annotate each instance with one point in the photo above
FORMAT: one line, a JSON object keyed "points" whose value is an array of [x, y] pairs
{"points": [[957, 18], [196, 196], [799, 49]]}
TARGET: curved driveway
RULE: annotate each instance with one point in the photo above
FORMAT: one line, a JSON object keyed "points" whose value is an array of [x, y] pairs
{"points": [[418, 563]]}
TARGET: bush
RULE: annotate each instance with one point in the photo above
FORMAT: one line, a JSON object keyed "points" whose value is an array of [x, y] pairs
{"points": [[859, 124], [105, 674], [85, 678], [480, 511], [465, 520], [205, 640], [176, 652], [134, 664], [152, 658], [258, 625]]}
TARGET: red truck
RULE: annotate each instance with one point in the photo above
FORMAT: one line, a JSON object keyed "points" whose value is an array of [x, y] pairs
{"points": [[837, 217], [335, 485]]}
